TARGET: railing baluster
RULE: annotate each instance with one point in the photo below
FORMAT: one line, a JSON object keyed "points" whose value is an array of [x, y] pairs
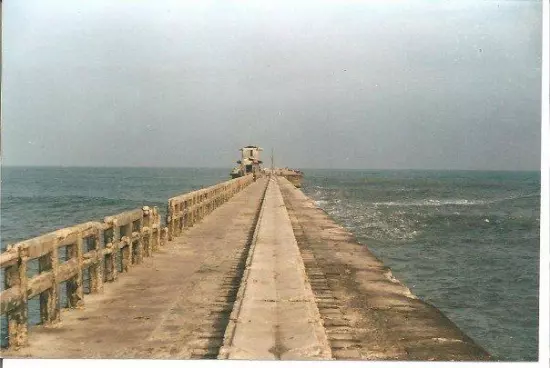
{"points": [[186, 214], [170, 219], [156, 234], [126, 251], [75, 291], [115, 244], [146, 237], [49, 299], [163, 236], [96, 269], [16, 276]]}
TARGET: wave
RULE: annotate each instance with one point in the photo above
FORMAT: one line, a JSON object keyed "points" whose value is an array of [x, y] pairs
{"points": [[452, 201], [433, 203]]}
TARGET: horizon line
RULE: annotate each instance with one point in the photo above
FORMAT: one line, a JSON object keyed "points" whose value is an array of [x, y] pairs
{"points": [[301, 168]]}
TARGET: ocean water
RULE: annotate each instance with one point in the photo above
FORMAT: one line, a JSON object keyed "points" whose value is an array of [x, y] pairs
{"points": [[466, 242], [38, 200]]}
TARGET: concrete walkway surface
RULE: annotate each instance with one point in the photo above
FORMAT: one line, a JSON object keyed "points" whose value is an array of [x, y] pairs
{"points": [[275, 315]]}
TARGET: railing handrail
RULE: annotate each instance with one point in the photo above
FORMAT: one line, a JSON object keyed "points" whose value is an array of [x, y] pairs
{"points": [[58, 237], [186, 209]]}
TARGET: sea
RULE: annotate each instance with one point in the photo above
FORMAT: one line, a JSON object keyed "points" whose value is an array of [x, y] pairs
{"points": [[466, 242]]}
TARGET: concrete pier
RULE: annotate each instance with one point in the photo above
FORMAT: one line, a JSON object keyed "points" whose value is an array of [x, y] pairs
{"points": [[254, 270]]}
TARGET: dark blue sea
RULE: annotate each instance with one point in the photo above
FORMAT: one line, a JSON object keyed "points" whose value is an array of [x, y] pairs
{"points": [[466, 242]]}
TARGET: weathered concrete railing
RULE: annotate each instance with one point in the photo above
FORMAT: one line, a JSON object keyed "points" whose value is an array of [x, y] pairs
{"points": [[100, 249], [186, 209]]}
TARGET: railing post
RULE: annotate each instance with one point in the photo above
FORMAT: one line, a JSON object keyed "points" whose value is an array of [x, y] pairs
{"points": [[75, 292], [96, 269], [146, 237], [183, 219], [158, 233], [191, 211], [170, 220], [49, 299], [203, 205], [163, 236], [126, 251], [173, 229], [196, 209], [177, 227], [113, 261], [199, 207], [17, 318], [155, 229], [186, 215], [138, 245]]}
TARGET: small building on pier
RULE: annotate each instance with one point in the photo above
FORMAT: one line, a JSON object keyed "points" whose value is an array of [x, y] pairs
{"points": [[249, 162]]}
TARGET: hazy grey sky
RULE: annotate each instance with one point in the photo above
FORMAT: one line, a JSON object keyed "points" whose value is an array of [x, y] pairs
{"points": [[335, 84]]}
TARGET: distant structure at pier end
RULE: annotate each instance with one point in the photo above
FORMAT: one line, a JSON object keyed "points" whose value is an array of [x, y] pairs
{"points": [[249, 162]]}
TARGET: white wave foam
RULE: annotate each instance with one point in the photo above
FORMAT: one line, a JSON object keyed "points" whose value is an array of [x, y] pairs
{"points": [[433, 203]]}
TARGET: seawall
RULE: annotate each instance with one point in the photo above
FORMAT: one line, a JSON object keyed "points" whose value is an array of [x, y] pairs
{"points": [[379, 315]]}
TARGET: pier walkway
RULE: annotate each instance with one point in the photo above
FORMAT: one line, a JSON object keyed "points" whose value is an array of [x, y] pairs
{"points": [[266, 275], [174, 305]]}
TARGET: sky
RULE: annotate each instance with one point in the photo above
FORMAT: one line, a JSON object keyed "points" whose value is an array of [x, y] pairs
{"points": [[326, 84]]}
